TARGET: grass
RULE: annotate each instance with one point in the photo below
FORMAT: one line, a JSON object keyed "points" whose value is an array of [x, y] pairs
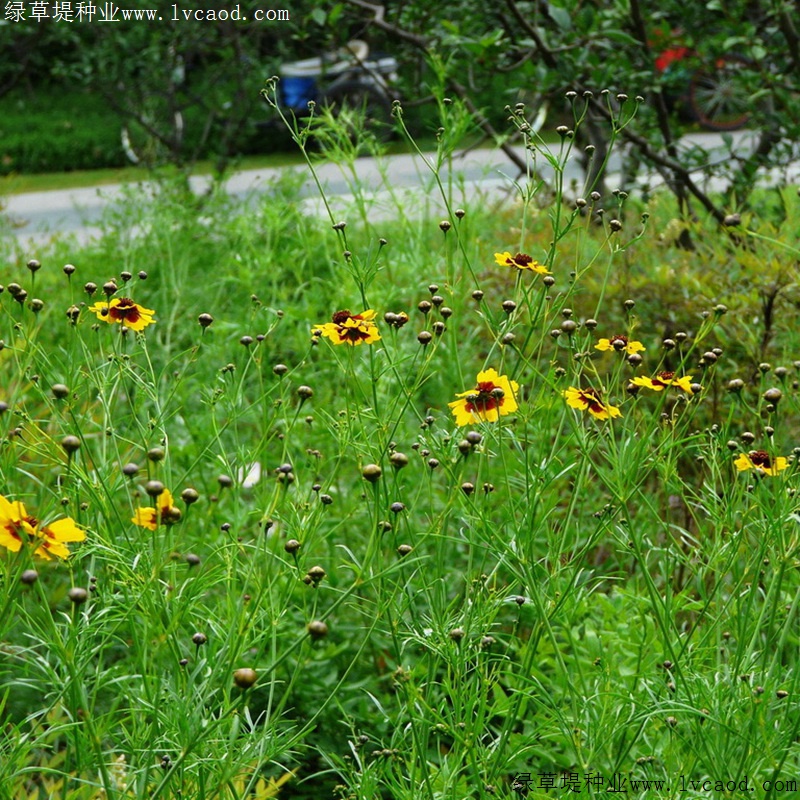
{"points": [[544, 596]]}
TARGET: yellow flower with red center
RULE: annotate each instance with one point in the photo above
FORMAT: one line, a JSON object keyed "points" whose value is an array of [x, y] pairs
{"points": [[664, 380], [493, 397], [621, 344], [348, 328], [164, 512], [124, 311], [589, 400], [18, 528], [761, 462], [521, 261]]}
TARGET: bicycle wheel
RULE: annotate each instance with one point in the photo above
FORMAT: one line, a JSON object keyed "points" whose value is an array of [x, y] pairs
{"points": [[362, 108], [153, 139], [718, 94]]}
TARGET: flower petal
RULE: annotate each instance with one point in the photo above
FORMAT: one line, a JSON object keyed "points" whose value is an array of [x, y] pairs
{"points": [[64, 530]]}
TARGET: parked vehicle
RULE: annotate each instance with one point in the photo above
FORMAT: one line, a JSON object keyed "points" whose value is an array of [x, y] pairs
{"points": [[714, 92], [348, 79], [711, 92]]}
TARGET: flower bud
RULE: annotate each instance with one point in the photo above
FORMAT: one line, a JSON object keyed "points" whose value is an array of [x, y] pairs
{"points": [[245, 677], [317, 629], [70, 444], [154, 488], [371, 473]]}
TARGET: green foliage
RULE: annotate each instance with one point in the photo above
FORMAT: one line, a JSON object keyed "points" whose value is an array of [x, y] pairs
{"points": [[548, 592], [52, 132], [728, 62]]}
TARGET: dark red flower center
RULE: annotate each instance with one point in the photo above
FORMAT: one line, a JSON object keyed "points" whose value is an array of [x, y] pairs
{"points": [[760, 458], [125, 311], [349, 333], [592, 400], [522, 259], [663, 379], [619, 342], [485, 397], [340, 317]]}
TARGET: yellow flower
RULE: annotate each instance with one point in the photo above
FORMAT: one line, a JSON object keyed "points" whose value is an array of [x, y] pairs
{"points": [[493, 397], [663, 380], [165, 512], [760, 461], [620, 344], [17, 527], [124, 311], [348, 328], [521, 261], [589, 400]]}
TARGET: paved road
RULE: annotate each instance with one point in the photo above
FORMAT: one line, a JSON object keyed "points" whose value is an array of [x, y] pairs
{"points": [[37, 216]]}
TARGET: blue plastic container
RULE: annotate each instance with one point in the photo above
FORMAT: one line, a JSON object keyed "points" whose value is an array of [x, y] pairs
{"points": [[297, 93]]}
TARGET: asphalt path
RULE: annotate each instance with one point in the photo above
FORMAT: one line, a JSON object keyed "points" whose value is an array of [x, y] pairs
{"points": [[384, 183]]}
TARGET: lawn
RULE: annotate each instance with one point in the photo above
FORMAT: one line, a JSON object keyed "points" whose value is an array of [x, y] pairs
{"points": [[495, 503]]}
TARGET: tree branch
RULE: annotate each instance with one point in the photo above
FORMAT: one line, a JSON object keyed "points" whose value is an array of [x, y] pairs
{"points": [[547, 57], [378, 20]]}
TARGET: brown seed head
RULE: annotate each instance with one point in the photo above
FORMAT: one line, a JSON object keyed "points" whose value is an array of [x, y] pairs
{"points": [[29, 577], [371, 473], [77, 595], [154, 488], [71, 444], [245, 677], [189, 495], [316, 574], [317, 629], [156, 454], [398, 460]]}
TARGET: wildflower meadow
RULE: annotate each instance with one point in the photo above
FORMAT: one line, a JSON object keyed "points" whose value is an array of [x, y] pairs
{"points": [[499, 502]]}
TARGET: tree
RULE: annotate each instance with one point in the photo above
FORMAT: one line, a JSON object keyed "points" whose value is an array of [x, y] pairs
{"points": [[583, 47]]}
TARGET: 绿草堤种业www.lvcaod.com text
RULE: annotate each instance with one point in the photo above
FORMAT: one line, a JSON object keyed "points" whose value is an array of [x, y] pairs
{"points": [[234, 14]]}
